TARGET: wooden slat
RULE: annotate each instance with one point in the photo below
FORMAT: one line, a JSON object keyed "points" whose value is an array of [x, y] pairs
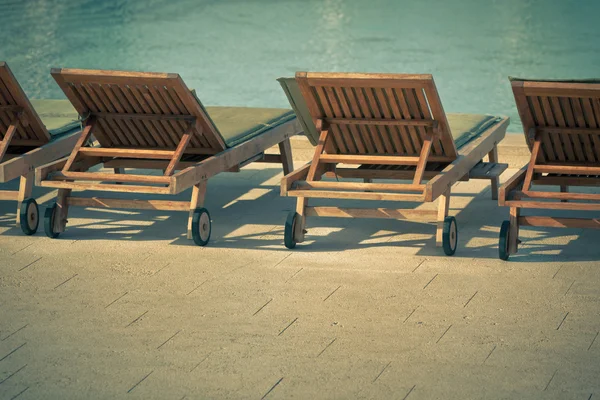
{"points": [[346, 114], [10, 132], [538, 115], [146, 117], [560, 121], [570, 121], [555, 222], [383, 160], [366, 113], [551, 122], [408, 114], [105, 187], [128, 153], [568, 169], [326, 111], [11, 108], [107, 177], [387, 122], [365, 132], [185, 140], [96, 202], [385, 213], [553, 205], [116, 95], [433, 130], [32, 126], [402, 131], [438, 113], [382, 130], [329, 194], [9, 195], [398, 187], [560, 196], [345, 134], [171, 133]]}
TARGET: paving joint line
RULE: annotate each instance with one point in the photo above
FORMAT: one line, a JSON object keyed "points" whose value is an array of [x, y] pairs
{"points": [[137, 319], [331, 294], [284, 329], [6, 356], [165, 342], [593, 340], [283, 259], [557, 271], [204, 359], [443, 334], [165, 266], [31, 263], [56, 287], [468, 301], [260, 309], [197, 287], [563, 320], [430, 281], [551, 378], [142, 380], [410, 315], [569, 288], [11, 375], [30, 244], [489, 355], [20, 393], [117, 299], [384, 368], [272, 387], [326, 347], [290, 278], [409, 392], [21, 328], [421, 263]]}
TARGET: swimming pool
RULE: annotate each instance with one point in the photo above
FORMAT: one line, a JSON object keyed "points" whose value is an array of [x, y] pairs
{"points": [[231, 51]]}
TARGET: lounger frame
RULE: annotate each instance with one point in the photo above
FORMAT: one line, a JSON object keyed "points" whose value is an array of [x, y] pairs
{"points": [[129, 113], [25, 143], [561, 121], [392, 126]]}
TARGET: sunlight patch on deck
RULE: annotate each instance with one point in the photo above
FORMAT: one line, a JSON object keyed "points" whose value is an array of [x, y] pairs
{"points": [[252, 194]]}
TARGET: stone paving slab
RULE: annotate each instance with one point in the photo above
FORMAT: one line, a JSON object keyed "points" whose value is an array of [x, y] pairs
{"points": [[122, 305]]}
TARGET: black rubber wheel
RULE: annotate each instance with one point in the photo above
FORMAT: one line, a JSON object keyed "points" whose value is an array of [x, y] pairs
{"points": [[290, 227], [450, 236], [49, 216], [201, 226], [504, 240], [30, 216]]}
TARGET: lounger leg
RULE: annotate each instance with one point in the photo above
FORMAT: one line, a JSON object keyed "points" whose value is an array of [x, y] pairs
{"points": [[513, 234], [301, 222], [443, 206], [197, 201], [493, 158], [25, 188], [564, 189], [119, 171], [62, 210], [285, 149]]}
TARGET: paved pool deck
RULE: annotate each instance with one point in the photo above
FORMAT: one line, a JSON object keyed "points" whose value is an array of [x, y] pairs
{"points": [[123, 306]]}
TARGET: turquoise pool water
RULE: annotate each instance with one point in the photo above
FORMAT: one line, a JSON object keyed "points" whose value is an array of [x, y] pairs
{"points": [[231, 51]]}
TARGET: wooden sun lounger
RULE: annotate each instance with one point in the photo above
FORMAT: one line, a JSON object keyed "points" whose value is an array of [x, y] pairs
{"points": [[392, 127], [148, 121], [25, 143], [561, 122]]}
